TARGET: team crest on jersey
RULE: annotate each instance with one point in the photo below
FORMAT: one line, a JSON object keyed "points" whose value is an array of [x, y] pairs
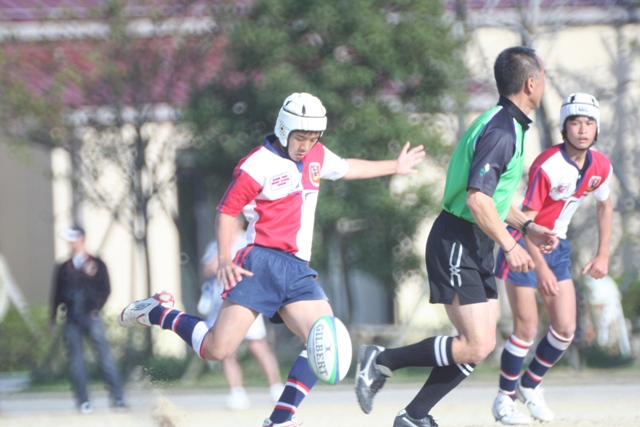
{"points": [[314, 173], [562, 188], [594, 181], [90, 267], [281, 181]]}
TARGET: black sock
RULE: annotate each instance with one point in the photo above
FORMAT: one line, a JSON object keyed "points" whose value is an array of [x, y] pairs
{"points": [[433, 351], [442, 380]]}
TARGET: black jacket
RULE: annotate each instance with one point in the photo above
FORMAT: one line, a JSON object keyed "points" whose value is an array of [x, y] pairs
{"points": [[82, 290]]}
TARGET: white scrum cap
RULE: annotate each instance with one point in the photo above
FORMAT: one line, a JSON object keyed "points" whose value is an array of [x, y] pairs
{"points": [[580, 104], [300, 111]]}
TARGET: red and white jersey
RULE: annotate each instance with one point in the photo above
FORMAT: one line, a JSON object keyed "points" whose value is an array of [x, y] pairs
{"points": [[557, 186], [278, 196]]}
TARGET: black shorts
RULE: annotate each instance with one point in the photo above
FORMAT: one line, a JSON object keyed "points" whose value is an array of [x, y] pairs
{"points": [[460, 261]]}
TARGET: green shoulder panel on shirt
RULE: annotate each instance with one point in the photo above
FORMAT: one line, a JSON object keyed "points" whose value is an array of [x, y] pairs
{"points": [[455, 193]]}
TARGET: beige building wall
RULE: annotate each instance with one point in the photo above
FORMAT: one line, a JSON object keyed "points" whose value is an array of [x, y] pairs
{"points": [[26, 219]]}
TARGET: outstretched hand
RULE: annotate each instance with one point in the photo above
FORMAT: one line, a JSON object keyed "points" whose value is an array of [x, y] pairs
{"points": [[409, 158]]}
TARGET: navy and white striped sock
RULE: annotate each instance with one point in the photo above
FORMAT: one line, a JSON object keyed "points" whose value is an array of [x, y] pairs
{"points": [[548, 352], [511, 361], [191, 329], [300, 380]]}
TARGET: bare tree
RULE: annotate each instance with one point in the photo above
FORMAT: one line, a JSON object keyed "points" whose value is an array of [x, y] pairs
{"points": [[108, 91]]}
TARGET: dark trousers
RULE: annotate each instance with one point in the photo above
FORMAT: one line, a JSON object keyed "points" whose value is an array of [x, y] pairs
{"points": [[90, 326]]}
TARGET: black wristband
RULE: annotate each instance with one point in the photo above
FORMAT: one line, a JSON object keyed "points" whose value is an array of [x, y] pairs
{"points": [[525, 225], [512, 248]]}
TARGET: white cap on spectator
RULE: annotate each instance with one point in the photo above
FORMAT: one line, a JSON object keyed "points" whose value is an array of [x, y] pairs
{"points": [[73, 234]]}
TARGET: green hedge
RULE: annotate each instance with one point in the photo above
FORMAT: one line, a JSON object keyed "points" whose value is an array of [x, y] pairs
{"points": [[43, 354], [631, 300], [20, 348]]}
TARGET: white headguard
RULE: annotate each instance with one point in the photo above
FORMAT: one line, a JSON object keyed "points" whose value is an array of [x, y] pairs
{"points": [[580, 104], [300, 111]]}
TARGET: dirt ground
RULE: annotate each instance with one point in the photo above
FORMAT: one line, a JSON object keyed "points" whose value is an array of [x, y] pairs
{"points": [[578, 398]]}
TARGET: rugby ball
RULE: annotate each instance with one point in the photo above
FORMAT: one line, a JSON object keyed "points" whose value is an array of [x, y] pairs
{"points": [[329, 350]]}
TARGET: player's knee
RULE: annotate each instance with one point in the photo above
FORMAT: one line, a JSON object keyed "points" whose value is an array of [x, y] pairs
{"points": [[213, 353], [526, 329], [527, 333], [565, 331], [486, 351], [478, 352]]}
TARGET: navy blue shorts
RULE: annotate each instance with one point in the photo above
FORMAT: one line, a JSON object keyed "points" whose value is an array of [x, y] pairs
{"points": [[279, 278], [559, 261], [460, 261]]}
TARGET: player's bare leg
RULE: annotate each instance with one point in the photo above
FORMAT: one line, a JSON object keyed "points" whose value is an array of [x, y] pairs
{"points": [[300, 316], [475, 324], [562, 308], [228, 331], [524, 310]]}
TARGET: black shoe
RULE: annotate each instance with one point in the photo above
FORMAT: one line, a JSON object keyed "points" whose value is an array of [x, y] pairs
{"points": [[371, 376], [404, 420]]}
